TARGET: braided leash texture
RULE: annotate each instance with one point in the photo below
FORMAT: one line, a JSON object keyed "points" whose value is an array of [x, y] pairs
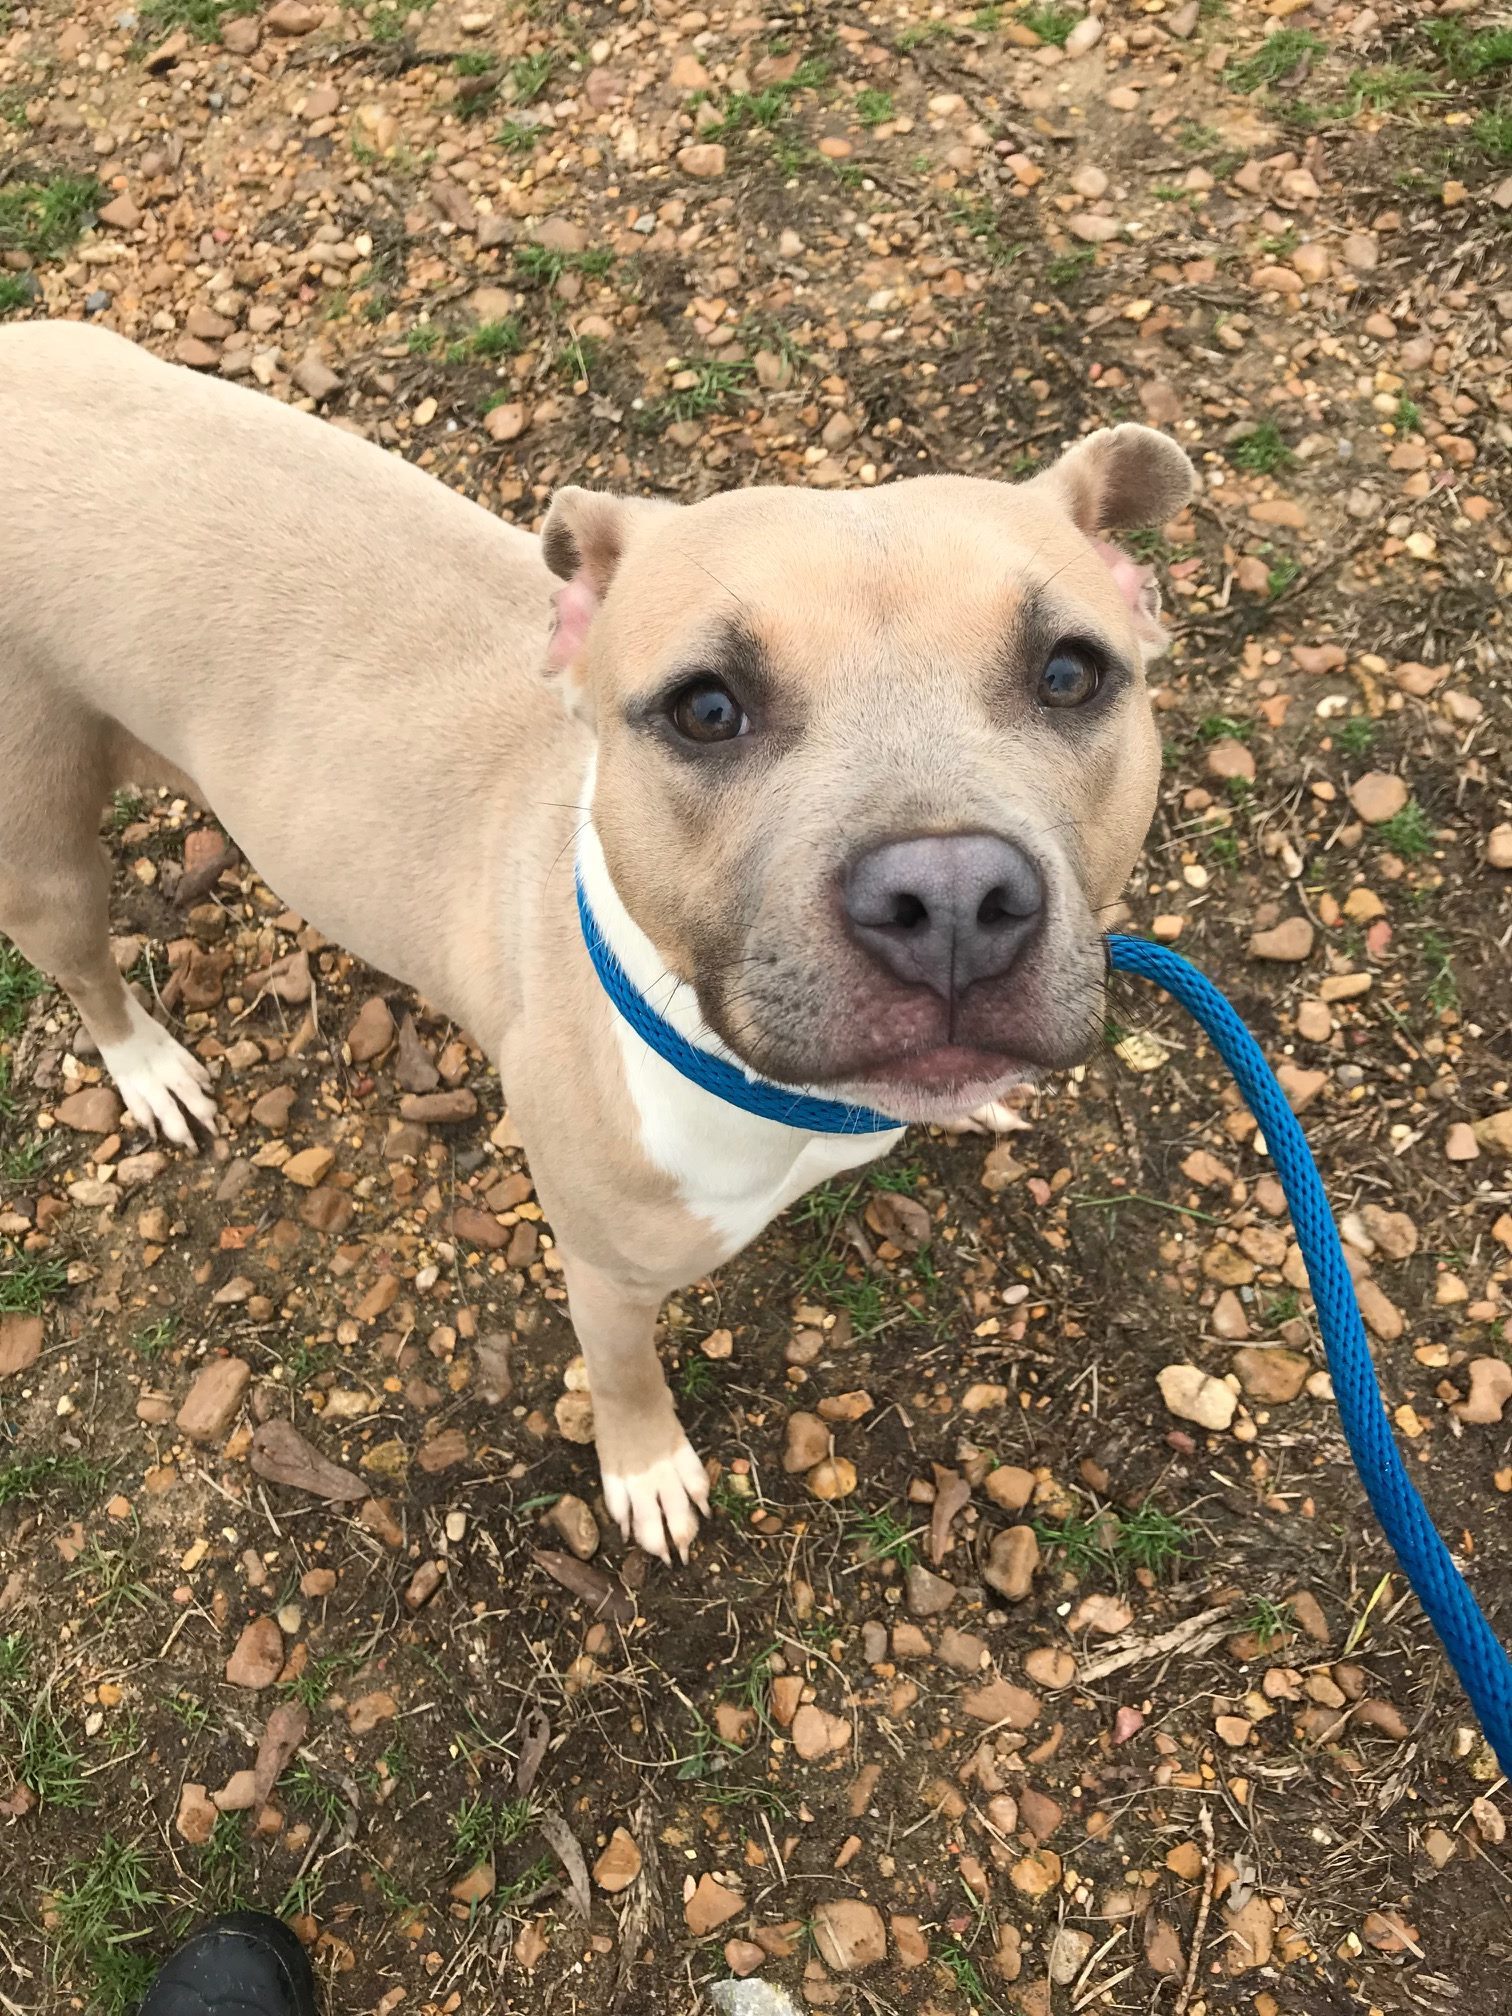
{"points": [[1476, 1654]]}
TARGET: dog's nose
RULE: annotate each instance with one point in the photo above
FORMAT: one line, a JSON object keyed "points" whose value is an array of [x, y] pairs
{"points": [[945, 909]]}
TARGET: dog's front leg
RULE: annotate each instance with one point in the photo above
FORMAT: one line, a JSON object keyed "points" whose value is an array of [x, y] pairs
{"points": [[652, 1476]]}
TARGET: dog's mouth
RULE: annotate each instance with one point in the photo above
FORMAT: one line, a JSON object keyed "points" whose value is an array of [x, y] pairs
{"points": [[947, 1068], [919, 1080], [903, 1051]]}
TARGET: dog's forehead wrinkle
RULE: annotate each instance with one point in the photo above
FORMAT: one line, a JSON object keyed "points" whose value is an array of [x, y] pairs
{"points": [[703, 567]]}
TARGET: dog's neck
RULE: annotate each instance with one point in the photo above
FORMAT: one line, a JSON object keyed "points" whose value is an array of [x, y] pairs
{"points": [[664, 1012], [668, 998]]}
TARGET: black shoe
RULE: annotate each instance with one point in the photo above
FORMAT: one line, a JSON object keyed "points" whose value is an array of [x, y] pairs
{"points": [[245, 1964]]}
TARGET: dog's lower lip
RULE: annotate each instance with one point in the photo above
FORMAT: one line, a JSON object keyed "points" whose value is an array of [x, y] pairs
{"points": [[950, 1064]]}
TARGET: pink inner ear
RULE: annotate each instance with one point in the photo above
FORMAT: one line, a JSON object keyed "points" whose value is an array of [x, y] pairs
{"points": [[576, 607], [1133, 580]]}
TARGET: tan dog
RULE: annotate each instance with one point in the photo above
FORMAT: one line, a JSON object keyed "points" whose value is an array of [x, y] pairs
{"points": [[848, 780]]}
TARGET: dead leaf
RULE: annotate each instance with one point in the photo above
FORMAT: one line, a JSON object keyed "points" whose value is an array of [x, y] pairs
{"points": [[197, 882], [286, 1729], [530, 1947], [287, 979], [952, 1496], [282, 1455], [604, 1596], [903, 1220], [534, 1741], [570, 1854], [495, 1381], [20, 1344]]}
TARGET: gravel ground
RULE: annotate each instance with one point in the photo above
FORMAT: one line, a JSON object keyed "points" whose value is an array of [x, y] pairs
{"points": [[1041, 1655]]}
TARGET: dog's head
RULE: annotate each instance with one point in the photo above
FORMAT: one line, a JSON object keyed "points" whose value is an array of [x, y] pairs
{"points": [[872, 765]]}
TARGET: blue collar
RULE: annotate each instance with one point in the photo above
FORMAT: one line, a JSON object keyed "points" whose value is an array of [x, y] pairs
{"points": [[700, 1067]]}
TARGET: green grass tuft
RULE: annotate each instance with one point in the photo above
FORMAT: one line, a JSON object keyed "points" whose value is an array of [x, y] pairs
{"points": [[1442, 993], [529, 77], [922, 32], [1118, 1542], [481, 1827], [967, 1975], [1470, 53], [37, 1741], [20, 984], [886, 1538], [698, 1379], [497, 339], [311, 1687], [1277, 57], [1151, 1539], [99, 1909], [224, 1868], [1069, 267], [1050, 21], [1408, 832], [770, 106], [1225, 728], [202, 18], [43, 219], [979, 218], [20, 1160], [1261, 450], [28, 1281], [719, 383], [311, 1793], [115, 1588], [44, 1476], [545, 266], [153, 1339], [1391, 87], [1267, 1621]]}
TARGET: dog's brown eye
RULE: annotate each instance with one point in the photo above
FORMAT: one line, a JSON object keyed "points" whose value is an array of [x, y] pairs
{"points": [[1069, 680], [706, 711]]}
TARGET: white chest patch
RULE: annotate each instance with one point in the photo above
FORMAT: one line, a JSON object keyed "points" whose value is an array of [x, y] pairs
{"points": [[734, 1169]]}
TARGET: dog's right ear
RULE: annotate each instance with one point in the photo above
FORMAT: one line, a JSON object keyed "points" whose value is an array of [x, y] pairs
{"points": [[583, 541]]}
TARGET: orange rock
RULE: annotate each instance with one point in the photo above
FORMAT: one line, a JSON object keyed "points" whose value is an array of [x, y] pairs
{"points": [[619, 1865], [710, 1906]]}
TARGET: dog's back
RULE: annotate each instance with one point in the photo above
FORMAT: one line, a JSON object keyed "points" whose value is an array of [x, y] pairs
{"points": [[143, 506], [206, 587]]}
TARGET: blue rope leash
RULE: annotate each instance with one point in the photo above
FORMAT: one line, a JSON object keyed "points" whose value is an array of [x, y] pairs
{"points": [[725, 1080], [1474, 1651]]}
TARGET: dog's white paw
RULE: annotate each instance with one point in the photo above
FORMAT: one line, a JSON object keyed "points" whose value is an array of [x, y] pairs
{"points": [[162, 1085], [656, 1505]]}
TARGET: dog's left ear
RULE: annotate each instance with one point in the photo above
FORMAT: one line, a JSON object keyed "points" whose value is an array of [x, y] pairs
{"points": [[1120, 480], [583, 541]]}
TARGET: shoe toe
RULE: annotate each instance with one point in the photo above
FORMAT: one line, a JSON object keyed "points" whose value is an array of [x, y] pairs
{"points": [[245, 1964]]}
